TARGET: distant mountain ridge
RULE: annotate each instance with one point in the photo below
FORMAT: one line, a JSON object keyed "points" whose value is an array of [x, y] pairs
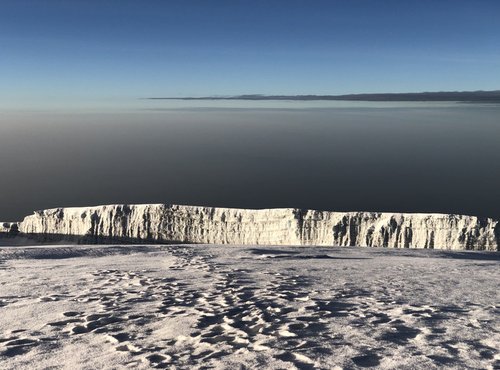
{"points": [[461, 96]]}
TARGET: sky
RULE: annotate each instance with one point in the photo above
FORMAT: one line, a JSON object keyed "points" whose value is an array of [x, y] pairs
{"points": [[83, 52]]}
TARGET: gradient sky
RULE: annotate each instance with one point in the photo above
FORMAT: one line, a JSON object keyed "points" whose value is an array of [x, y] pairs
{"points": [[63, 52]]}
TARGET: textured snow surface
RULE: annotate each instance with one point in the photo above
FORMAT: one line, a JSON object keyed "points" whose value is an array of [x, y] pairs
{"points": [[190, 224], [206, 306]]}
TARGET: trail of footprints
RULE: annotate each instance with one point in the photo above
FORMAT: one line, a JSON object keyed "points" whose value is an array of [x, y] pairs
{"points": [[284, 319]]}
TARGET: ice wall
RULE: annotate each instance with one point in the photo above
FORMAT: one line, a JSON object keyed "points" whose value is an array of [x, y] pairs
{"points": [[190, 224], [8, 227]]}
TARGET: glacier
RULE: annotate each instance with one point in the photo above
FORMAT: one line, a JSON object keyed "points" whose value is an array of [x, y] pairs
{"points": [[166, 223]]}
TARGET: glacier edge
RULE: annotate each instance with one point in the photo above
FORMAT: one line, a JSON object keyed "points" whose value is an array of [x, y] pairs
{"points": [[280, 226]]}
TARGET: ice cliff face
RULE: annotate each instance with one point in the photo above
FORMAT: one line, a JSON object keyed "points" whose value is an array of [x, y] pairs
{"points": [[8, 227], [189, 224]]}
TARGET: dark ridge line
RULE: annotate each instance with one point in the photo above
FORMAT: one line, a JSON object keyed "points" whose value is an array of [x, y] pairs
{"points": [[21, 240], [456, 96], [35, 239]]}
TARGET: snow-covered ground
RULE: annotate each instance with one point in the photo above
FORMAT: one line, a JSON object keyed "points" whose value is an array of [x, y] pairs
{"points": [[205, 306]]}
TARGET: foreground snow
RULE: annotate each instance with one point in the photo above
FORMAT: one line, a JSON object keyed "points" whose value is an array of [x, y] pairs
{"points": [[258, 307]]}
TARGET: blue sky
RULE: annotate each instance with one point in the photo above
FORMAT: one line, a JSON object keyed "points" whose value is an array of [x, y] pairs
{"points": [[82, 50]]}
